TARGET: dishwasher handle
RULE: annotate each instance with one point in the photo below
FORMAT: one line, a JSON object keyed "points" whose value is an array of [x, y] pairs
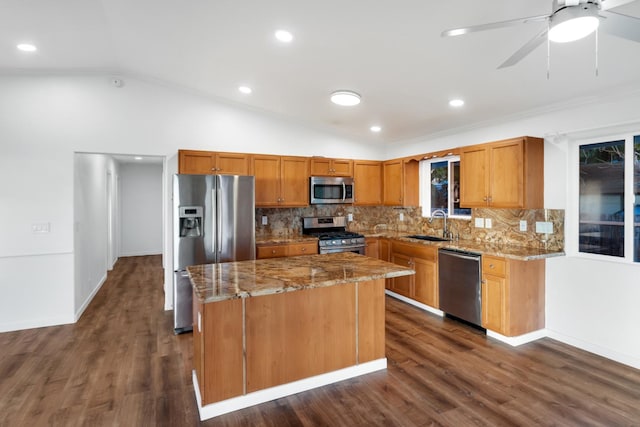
{"points": [[460, 254]]}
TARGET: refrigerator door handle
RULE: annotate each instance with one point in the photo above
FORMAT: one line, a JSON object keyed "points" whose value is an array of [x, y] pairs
{"points": [[219, 224]]}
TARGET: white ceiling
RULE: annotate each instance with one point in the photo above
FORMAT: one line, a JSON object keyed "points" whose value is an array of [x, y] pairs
{"points": [[390, 52]]}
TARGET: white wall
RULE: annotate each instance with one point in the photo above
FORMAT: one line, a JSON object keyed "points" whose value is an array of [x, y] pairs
{"points": [[589, 304], [44, 120], [140, 209], [91, 256]]}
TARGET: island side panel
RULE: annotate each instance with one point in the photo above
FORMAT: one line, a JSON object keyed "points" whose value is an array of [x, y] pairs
{"points": [[371, 334], [295, 335], [221, 350]]}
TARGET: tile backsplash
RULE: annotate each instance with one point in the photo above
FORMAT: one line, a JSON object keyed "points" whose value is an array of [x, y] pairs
{"points": [[505, 223]]}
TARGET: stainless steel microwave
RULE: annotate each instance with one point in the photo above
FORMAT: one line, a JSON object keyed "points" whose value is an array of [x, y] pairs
{"points": [[327, 189]]}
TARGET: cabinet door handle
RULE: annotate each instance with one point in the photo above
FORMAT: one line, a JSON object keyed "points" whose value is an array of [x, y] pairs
{"points": [[492, 266], [484, 199], [304, 249]]}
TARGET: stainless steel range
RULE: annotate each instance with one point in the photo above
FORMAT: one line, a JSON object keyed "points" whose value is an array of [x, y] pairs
{"points": [[332, 234]]}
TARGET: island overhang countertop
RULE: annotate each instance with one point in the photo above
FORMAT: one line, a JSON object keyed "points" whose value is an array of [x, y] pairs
{"points": [[242, 279]]}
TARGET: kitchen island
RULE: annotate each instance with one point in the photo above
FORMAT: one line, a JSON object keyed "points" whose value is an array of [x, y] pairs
{"points": [[269, 328]]}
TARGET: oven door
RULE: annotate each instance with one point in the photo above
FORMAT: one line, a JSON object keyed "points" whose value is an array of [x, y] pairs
{"points": [[356, 249]]}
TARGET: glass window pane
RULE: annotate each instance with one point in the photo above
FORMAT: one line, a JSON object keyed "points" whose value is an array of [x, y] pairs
{"points": [[636, 192], [602, 198], [455, 191], [439, 186]]}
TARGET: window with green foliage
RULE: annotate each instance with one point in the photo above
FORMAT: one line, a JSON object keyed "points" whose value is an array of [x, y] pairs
{"points": [[440, 187], [607, 219]]}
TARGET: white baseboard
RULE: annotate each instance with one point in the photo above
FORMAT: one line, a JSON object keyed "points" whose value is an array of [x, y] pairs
{"points": [[219, 408], [88, 300], [625, 359], [520, 339], [415, 303], [36, 323], [141, 253]]}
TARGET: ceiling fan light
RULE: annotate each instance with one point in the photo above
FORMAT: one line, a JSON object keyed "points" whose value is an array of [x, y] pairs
{"points": [[345, 98], [573, 23]]}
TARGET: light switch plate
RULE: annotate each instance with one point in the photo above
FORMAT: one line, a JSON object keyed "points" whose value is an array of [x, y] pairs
{"points": [[350, 217], [488, 223], [544, 227], [479, 222], [401, 216], [523, 225], [265, 220], [41, 228]]}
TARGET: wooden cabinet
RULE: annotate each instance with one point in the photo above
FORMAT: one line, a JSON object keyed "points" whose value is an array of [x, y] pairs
{"points": [[367, 177], [321, 166], [218, 326], [210, 162], [423, 286], [503, 174], [286, 249], [512, 295], [400, 182], [371, 248], [281, 181]]}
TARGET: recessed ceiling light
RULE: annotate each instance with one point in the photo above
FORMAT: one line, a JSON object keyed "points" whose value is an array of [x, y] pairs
{"points": [[27, 47], [375, 128], [245, 89], [345, 98], [284, 36], [456, 103], [138, 158]]}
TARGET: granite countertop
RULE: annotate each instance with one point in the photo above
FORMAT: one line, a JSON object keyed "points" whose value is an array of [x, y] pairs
{"points": [[521, 253], [242, 279]]}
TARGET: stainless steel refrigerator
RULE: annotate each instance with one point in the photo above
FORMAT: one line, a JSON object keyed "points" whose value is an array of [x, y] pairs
{"points": [[213, 222]]}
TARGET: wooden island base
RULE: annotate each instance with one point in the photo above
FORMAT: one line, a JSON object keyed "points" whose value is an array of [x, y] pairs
{"points": [[252, 350]]}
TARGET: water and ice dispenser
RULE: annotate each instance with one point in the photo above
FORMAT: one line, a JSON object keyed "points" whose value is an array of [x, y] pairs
{"points": [[190, 221]]}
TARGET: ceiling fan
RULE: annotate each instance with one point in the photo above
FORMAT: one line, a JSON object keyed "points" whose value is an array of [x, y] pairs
{"points": [[569, 20]]}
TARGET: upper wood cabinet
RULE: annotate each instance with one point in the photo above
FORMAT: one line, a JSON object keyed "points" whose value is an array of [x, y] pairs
{"points": [[281, 181], [503, 174], [367, 176], [211, 163], [321, 166], [400, 182]]}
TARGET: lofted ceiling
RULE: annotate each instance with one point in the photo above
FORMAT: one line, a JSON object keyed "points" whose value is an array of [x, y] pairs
{"points": [[390, 52]]}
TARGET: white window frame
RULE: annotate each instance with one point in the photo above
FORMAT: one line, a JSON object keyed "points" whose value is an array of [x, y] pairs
{"points": [[572, 220], [425, 190]]}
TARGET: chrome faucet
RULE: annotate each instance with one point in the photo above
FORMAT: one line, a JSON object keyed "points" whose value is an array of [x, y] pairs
{"points": [[443, 214]]}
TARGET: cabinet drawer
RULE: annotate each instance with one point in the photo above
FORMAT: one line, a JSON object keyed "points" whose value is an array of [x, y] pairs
{"points": [[273, 251], [417, 250], [494, 266], [303, 248]]}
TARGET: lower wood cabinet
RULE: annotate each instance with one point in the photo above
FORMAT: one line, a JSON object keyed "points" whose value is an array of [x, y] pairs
{"points": [[512, 295], [423, 286], [372, 247], [286, 249]]}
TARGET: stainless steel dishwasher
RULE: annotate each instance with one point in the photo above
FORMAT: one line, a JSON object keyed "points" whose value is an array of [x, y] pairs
{"points": [[459, 284]]}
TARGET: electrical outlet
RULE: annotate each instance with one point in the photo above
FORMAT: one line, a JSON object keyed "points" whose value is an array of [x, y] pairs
{"points": [[479, 222], [350, 217], [401, 216], [265, 220], [523, 225], [488, 223]]}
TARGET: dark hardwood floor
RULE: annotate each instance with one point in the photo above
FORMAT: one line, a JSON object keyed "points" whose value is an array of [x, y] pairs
{"points": [[122, 365]]}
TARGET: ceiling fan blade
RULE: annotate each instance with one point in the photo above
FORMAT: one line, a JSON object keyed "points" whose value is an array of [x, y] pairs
{"points": [[610, 4], [617, 24], [492, 25], [525, 50]]}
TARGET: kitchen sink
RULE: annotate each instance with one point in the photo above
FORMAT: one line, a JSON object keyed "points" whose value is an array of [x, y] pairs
{"points": [[429, 238]]}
